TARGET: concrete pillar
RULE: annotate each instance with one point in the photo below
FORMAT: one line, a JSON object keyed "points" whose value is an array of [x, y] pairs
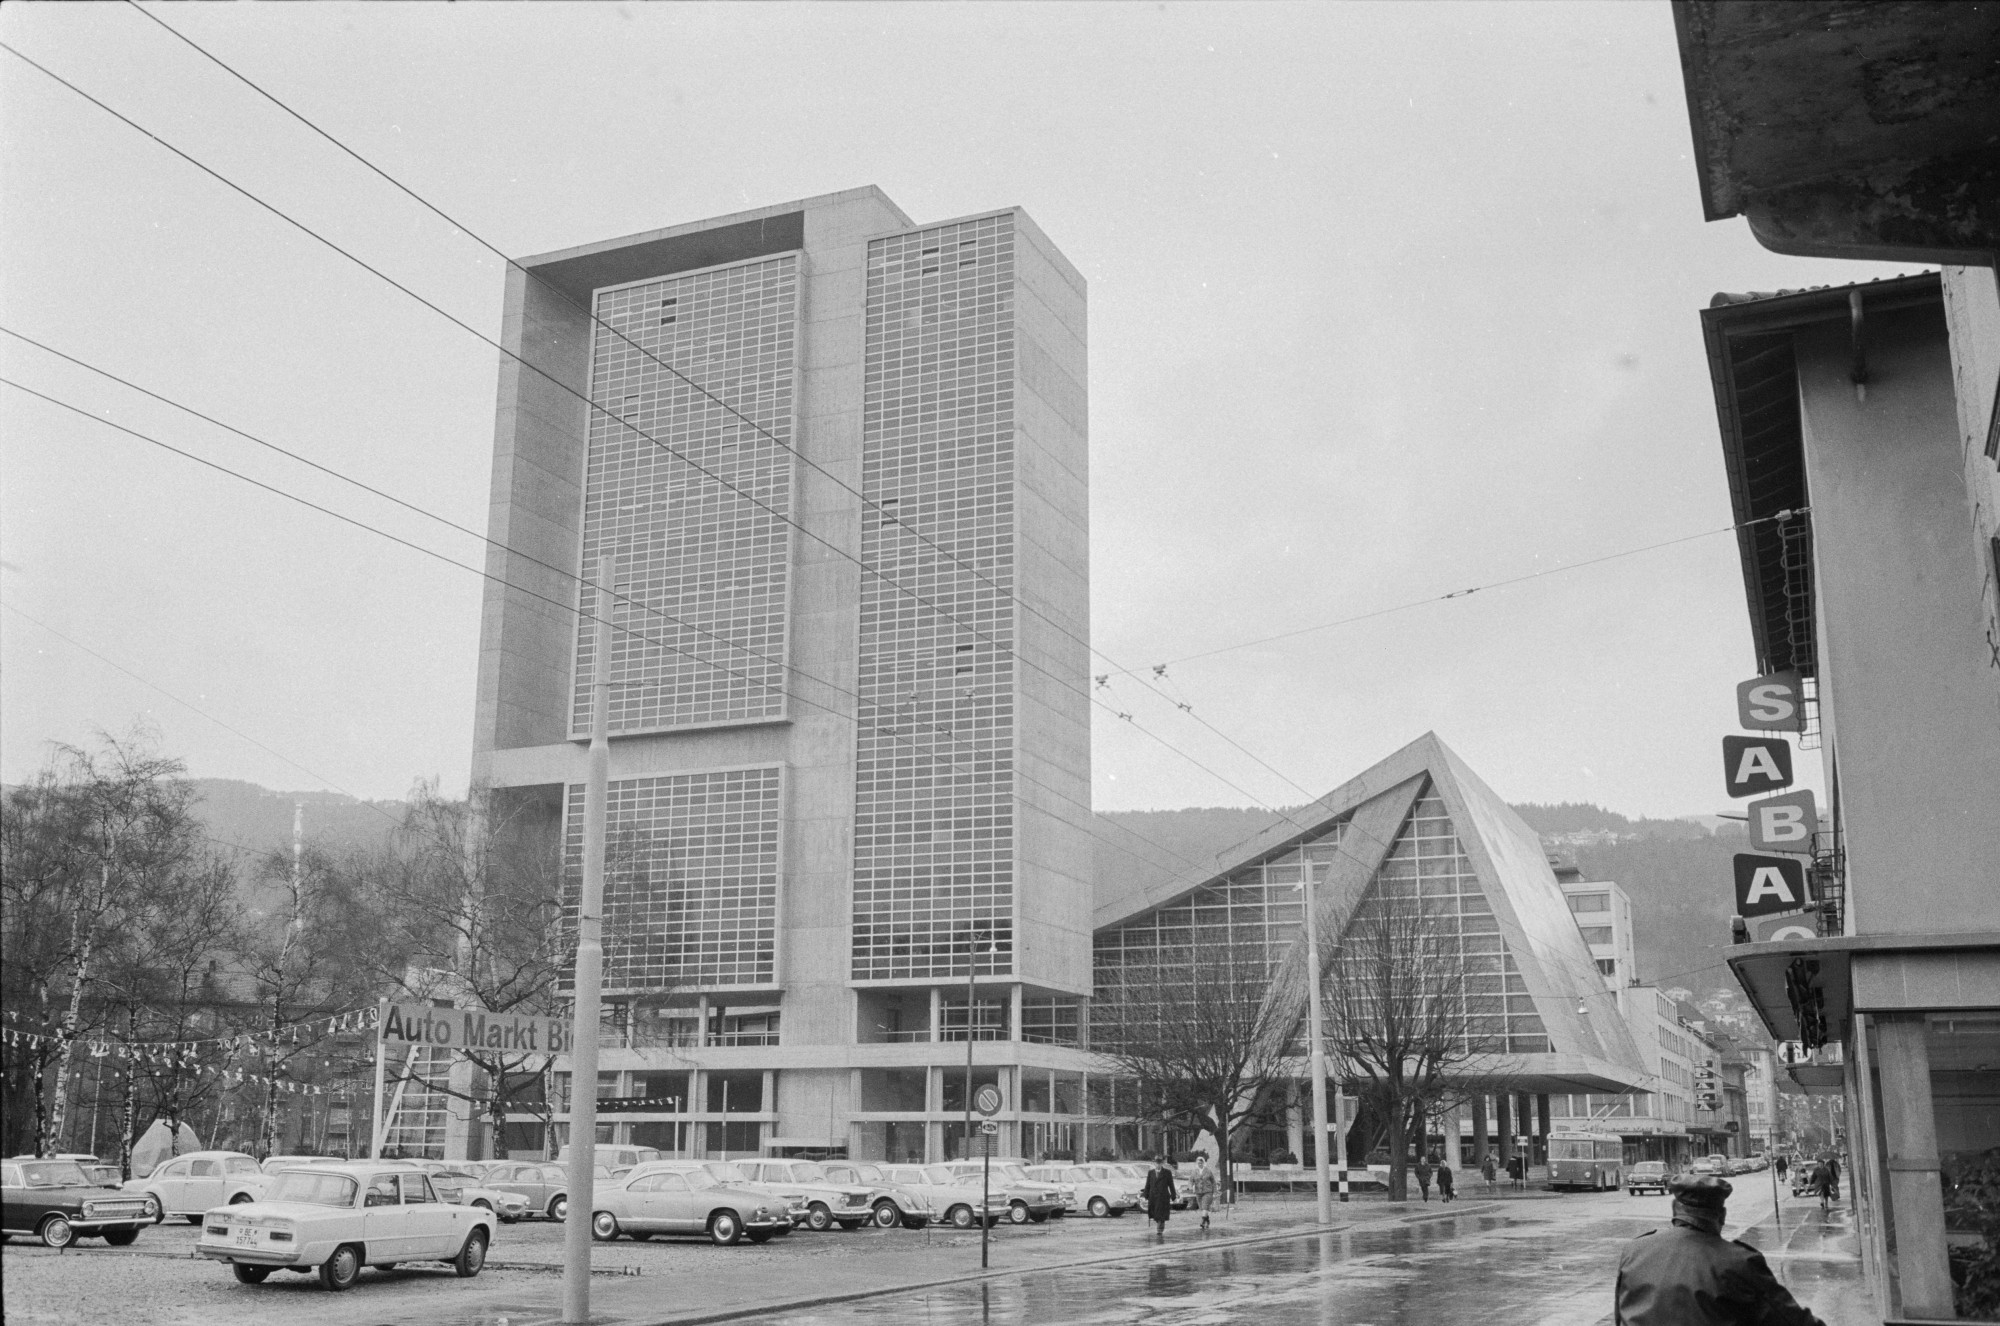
{"points": [[1916, 1194], [937, 1013], [1504, 1119], [1479, 1130], [1014, 1016]]}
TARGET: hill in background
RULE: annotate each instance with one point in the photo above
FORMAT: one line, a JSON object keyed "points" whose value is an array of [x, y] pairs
{"points": [[255, 822]]}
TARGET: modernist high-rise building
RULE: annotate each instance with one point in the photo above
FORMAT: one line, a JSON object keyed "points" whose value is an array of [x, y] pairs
{"points": [[837, 461]]}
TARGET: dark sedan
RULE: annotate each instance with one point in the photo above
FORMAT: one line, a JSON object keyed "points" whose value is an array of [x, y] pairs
{"points": [[56, 1202]]}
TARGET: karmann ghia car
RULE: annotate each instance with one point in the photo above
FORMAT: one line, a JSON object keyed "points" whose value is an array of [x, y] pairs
{"points": [[335, 1219]]}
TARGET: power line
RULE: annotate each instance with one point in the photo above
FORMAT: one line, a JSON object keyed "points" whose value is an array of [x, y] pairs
{"points": [[194, 708], [932, 752]]}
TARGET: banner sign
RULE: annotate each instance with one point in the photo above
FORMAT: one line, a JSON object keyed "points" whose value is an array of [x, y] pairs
{"points": [[1767, 884], [1788, 925], [1756, 764], [1784, 824], [1771, 703], [474, 1029]]}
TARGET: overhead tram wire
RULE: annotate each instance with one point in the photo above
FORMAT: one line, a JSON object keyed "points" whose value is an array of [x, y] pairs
{"points": [[856, 718], [649, 438], [194, 708], [590, 315]]}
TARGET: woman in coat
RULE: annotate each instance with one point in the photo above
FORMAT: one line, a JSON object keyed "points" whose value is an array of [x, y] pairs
{"points": [[1159, 1195], [1445, 1181]]}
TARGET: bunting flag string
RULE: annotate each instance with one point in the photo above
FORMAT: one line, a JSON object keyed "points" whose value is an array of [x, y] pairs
{"points": [[246, 1042]]}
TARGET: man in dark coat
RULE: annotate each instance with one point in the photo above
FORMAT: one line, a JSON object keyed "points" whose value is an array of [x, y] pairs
{"points": [[1689, 1275], [1159, 1195]]}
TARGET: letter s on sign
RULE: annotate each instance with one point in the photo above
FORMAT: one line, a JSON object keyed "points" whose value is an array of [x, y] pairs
{"points": [[1772, 702]]}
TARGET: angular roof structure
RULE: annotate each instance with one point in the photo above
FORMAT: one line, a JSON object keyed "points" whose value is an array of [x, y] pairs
{"points": [[1422, 819]]}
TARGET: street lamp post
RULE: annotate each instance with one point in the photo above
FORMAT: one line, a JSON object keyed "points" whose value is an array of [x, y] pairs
{"points": [[1316, 1030]]}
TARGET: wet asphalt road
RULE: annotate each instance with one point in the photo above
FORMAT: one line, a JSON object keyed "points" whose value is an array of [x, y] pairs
{"points": [[1551, 1264]]}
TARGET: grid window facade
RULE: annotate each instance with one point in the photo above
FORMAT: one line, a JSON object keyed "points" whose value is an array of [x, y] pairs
{"points": [[691, 879], [1429, 863], [702, 547], [1261, 908], [934, 782]]}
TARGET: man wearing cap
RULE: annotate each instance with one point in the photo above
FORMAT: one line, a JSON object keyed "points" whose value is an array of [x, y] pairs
{"points": [[1689, 1275]]}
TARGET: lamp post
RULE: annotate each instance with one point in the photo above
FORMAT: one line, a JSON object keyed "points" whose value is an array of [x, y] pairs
{"points": [[1316, 1031], [976, 941]]}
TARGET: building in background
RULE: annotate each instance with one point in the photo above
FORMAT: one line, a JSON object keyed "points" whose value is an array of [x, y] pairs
{"points": [[1861, 435], [837, 461], [1603, 913]]}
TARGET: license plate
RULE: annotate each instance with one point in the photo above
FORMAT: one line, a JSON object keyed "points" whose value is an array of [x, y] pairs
{"points": [[246, 1238]]}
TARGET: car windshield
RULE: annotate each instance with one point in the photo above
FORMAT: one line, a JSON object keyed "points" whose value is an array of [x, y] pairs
{"points": [[939, 1174], [53, 1174], [454, 1174], [312, 1187], [805, 1171]]}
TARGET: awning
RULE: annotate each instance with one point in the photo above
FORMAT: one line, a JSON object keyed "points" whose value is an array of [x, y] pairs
{"points": [[1900, 972]]}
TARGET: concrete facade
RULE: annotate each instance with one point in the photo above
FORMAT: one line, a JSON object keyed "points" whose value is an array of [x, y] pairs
{"points": [[705, 405]]}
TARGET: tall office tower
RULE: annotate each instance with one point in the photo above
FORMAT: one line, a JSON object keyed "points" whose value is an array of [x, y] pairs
{"points": [[837, 462]]}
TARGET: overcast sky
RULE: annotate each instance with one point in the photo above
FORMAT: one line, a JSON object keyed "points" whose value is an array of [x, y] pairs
{"points": [[1385, 301]]}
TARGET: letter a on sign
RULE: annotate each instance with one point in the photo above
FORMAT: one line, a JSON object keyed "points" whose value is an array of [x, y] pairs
{"points": [[1756, 764], [1771, 703], [1783, 824], [1766, 884]]}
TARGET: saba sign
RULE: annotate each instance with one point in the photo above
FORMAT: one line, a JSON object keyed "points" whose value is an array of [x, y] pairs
{"points": [[473, 1029]]}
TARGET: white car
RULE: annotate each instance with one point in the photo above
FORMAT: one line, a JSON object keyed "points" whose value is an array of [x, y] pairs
{"points": [[652, 1200], [955, 1202], [849, 1205], [1097, 1189], [1028, 1199], [903, 1204], [464, 1187], [189, 1185], [335, 1219]]}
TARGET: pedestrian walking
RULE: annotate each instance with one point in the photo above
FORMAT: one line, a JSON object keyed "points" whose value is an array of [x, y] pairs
{"points": [[1490, 1170], [1204, 1186], [1445, 1181], [1689, 1275], [1824, 1184], [1159, 1196], [1424, 1176], [1781, 1166], [1833, 1177]]}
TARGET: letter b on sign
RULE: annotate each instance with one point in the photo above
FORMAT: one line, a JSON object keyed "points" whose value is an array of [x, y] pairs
{"points": [[1784, 824], [1766, 884], [1773, 703], [1756, 764]]}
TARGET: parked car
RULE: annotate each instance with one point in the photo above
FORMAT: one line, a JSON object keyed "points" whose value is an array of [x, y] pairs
{"points": [[1184, 1198], [1646, 1176], [58, 1203], [686, 1201], [189, 1185], [897, 1203], [272, 1164], [1027, 1199], [336, 1219], [1096, 1189], [828, 1203], [616, 1157], [465, 1188], [542, 1186]]}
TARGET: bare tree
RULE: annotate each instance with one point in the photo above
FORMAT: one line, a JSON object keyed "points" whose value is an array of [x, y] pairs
{"points": [[1195, 1026], [1399, 1022]]}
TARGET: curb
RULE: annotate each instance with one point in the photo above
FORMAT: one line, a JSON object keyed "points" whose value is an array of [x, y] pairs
{"points": [[976, 1277]]}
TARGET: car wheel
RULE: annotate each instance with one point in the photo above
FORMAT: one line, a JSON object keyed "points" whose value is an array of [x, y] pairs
{"points": [[1018, 1213], [341, 1270], [241, 1198], [558, 1208], [121, 1238], [154, 1211], [819, 1217], [724, 1228], [887, 1216], [57, 1232], [483, 1204], [961, 1217], [472, 1256], [1099, 1207], [250, 1275], [604, 1227], [194, 1219]]}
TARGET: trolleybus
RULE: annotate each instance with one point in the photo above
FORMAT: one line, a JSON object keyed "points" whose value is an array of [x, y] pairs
{"points": [[1585, 1160]]}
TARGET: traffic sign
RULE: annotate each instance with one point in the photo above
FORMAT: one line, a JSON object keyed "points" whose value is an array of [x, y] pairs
{"points": [[1756, 764], [1784, 824], [1767, 884], [989, 1127], [1771, 703], [988, 1100]]}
